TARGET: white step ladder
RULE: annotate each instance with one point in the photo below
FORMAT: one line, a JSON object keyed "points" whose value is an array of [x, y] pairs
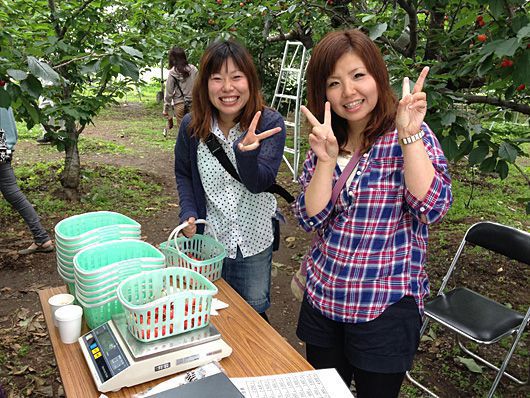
{"points": [[288, 98]]}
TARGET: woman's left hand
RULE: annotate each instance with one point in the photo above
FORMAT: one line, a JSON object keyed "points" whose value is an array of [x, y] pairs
{"points": [[412, 107], [251, 140]]}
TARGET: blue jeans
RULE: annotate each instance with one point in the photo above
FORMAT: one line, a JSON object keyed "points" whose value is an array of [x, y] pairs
{"points": [[250, 277], [15, 197]]}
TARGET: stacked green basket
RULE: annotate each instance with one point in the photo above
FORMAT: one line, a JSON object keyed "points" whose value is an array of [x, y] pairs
{"points": [[78, 232], [98, 270]]}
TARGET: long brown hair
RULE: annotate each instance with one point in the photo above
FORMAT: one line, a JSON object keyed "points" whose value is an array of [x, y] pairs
{"points": [[321, 65], [213, 59], [177, 59]]}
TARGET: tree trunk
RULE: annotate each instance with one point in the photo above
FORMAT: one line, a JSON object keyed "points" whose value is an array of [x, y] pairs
{"points": [[436, 25], [70, 176]]}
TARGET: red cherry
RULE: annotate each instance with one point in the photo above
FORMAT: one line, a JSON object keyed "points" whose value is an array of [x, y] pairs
{"points": [[506, 63], [2, 83], [482, 38], [521, 87], [481, 23], [479, 18]]}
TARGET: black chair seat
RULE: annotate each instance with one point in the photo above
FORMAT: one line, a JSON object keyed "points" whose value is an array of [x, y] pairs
{"points": [[473, 314]]}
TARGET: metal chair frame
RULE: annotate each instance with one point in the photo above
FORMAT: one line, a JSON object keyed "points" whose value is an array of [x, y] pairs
{"points": [[513, 244]]}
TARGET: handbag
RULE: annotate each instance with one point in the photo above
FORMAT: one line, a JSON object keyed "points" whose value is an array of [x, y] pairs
{"points": [[299, 278], [217, 150], [5, 152], [187, 101]]}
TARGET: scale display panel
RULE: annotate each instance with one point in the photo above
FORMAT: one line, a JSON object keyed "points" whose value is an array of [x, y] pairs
{"points": [[109, 358]]}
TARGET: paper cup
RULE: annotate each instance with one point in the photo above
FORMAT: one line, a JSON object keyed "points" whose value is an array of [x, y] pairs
{"points": [[57, 301], [69, 320]]}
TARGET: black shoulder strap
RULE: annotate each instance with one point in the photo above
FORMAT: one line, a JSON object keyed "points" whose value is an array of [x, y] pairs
{"points": [[215, 148], [178, 85]]}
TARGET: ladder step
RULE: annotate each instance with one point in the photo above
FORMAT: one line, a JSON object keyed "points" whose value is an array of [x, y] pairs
{"points": [[288, 150], [289, 124], [291, 70], [293, 97]]}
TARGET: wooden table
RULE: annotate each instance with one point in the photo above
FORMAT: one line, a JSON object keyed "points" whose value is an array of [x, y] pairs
{"points": [[258, 349]]}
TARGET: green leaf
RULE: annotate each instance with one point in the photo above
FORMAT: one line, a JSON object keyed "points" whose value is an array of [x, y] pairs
{"points": [[502, 169], [132, 51], [497, 8], [5, 98], [43, 70], [129, 69], [470, 364], [91, 66], [448, 118], [507, 47], [478, 154], [17, 74], [450, 147], [32, 86], [521, 71], [488, 164], [523, 32], [33, 113], [377, 30], [508, 152]]}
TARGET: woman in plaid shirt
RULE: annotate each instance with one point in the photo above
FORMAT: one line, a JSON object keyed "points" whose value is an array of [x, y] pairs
{"points": [[366, 280]]}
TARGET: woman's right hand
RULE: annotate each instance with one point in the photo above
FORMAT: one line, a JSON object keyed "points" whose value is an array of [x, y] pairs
{"points": [[191, 229], [322, 140]]}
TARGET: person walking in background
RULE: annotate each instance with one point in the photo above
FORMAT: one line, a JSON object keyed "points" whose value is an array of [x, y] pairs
{"points": [[366, 278], [13, 194], [229, 111], [179, 85]]}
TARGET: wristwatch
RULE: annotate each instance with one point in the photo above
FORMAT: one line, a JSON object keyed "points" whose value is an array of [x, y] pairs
{"points": [[413, 138]]}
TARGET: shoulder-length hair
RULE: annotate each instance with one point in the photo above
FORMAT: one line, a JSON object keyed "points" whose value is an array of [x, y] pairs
{"points": [[321, 65], [213, 59], [177, 59]]}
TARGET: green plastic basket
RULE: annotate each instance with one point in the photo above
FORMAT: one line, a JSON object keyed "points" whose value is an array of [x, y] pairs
{"points": [[96, 314], [201, 253], [80, 227], [98, 261], [166, 302]]}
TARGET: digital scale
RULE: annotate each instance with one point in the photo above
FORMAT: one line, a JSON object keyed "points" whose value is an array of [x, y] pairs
{"points": [[116, 359]]}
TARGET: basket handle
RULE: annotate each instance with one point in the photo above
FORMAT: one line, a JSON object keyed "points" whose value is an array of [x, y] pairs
{"points": [[174, 234]]}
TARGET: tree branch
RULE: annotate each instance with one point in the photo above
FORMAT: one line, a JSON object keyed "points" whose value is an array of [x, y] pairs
{"points": [[483, 99], [410, 51], [74, 15], [53, 18]]}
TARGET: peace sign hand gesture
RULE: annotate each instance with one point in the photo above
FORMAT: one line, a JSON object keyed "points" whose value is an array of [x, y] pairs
{"points": [[322, 140], [412, 107], [251, 140]]}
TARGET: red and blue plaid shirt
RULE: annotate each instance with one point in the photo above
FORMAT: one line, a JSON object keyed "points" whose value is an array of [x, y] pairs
{"points": [[371, 247]]}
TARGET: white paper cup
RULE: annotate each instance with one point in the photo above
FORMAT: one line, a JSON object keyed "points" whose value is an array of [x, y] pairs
{"points": [[69, 320], [57, 301]]}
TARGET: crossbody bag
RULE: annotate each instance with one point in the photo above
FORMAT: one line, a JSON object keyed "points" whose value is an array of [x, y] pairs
{"points": [[187, 101]]}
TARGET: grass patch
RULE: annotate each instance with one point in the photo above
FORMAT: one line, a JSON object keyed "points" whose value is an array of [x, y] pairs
{"points": [[94, 145], [102, 188]]}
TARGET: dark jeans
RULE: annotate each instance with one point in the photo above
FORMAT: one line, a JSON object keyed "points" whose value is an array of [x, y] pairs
{"points": [[15, 197]]}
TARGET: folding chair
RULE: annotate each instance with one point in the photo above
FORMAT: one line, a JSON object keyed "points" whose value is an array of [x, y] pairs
{"points": [[473, 316]]}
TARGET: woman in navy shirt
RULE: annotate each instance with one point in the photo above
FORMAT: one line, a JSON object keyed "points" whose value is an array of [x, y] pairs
{"points": [[228, 107]]}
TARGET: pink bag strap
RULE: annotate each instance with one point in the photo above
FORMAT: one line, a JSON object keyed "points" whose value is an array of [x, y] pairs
{"points": [[344, 177], [340, 184]]}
